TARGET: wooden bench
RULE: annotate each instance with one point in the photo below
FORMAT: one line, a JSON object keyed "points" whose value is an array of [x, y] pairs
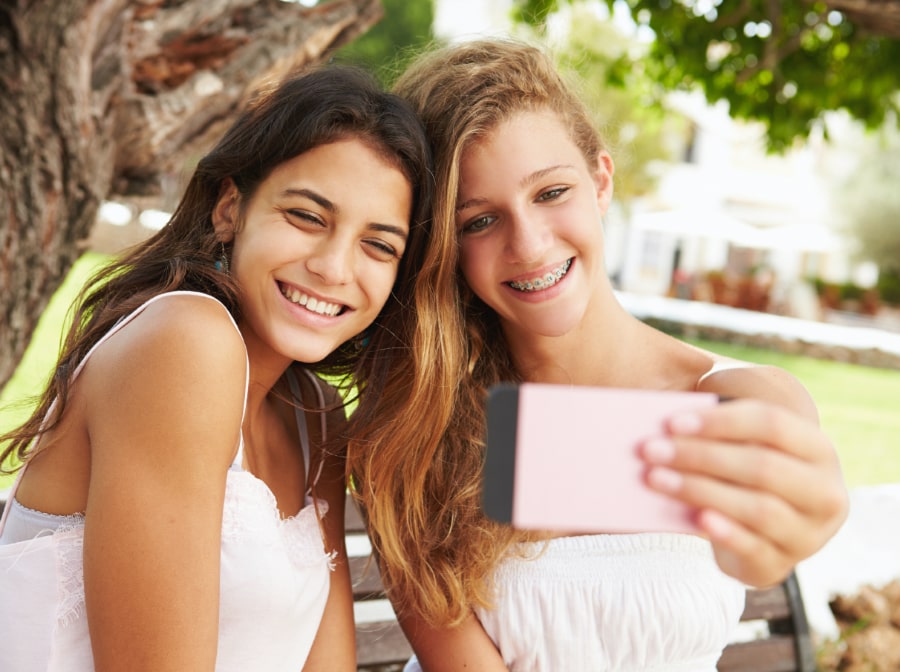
{"points": [[775, 617], [783, 644]]}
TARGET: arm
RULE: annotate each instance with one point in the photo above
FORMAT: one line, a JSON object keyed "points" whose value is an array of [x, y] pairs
{"points": [[163, 400], [765, 478], [334, 647], [462, 648]]}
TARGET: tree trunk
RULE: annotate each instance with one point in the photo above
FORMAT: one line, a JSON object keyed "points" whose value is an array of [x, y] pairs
{"points": [[109, 98], [878, 17]]}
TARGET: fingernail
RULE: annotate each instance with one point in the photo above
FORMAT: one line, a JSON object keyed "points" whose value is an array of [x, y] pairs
{"points": [[665, 480], [717, 525], [660, 451], [685, 423]]}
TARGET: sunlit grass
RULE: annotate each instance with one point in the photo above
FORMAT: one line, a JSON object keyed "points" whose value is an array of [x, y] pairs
{"points": [[859, 408], [40, 357]]}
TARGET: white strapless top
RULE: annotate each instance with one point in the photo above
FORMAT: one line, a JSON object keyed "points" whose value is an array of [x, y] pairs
{"points": [[629, 603]]}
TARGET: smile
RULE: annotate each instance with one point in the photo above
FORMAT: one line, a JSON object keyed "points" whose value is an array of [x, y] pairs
{"points": [[312, 304], [542, 282]]}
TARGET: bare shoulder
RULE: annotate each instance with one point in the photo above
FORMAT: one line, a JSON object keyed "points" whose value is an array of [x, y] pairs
{"points": [[179, 330], [179, 364], [744, 380]]}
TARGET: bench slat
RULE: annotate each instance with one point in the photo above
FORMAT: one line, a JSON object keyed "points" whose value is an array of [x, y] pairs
{"points": [[381, 643], [777, 653], [766, 604], [365, 579]]}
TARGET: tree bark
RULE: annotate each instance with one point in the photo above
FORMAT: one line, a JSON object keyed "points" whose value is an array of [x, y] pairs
{"points": [[105, 99], [878, 17]]}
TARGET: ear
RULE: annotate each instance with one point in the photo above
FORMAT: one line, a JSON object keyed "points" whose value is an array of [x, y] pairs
{"points": [[225, 212], [603, 180]]}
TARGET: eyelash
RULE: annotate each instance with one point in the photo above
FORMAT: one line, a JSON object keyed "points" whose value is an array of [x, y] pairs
{"points": [[306, 216], [552, 194], [543, 197], [470, 226], [379, 245]]}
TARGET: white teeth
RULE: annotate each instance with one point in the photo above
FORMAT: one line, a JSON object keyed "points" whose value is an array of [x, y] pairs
{"points": [[542, 282], [312, 304]]}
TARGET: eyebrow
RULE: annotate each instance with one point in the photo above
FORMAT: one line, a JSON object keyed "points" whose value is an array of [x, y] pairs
{"points": [[524, 182], [334, 209], [314, 197]]}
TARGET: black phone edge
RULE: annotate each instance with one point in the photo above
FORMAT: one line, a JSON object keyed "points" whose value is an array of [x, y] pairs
{"points": [[498, 477]]}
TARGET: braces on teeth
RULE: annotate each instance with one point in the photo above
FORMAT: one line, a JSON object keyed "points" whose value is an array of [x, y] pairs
{"points": [[544, 282]]}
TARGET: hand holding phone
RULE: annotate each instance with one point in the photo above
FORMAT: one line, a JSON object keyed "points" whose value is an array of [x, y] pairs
{"points": [[565, 458]]}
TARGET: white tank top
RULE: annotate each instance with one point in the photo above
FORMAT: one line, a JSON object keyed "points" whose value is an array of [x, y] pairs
{"points": [[274, 575]]}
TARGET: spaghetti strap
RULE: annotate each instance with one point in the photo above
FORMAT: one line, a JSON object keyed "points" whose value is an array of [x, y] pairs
{"points": [[302, 427], [720, 365], [115, 328]]}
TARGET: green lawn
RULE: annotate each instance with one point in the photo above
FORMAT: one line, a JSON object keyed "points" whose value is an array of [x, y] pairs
{"points": [[858, 405], [859, 408], [40, 357]]}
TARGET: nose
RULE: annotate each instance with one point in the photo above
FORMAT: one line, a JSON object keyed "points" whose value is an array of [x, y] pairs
{"points": [[529, 238], [332, 261]]}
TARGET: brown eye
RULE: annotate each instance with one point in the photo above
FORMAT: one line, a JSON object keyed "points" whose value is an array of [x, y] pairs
{"points": [[552, 194], [478, 224]]}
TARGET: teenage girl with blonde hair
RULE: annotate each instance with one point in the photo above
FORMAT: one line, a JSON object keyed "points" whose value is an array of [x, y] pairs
{"points": [[523, 182]]}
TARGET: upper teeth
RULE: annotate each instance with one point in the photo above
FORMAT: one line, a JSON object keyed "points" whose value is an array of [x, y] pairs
{"points": [[543, 282], [311, 303]]}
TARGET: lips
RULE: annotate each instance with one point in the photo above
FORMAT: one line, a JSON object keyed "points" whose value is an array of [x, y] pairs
{"points": [[311, 303], [543, 281]]}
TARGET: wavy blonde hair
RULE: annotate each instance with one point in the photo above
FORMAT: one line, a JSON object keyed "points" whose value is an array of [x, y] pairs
{"points": [[417, 457]]}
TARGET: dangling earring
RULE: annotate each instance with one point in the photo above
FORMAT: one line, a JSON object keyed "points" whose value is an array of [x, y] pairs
{"points": [[362, 339], [222, 261]]}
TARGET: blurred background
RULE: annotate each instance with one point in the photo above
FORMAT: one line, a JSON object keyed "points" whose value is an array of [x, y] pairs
{"points": [[756, 143]]}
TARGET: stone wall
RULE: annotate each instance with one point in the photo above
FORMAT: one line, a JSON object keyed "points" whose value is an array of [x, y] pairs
{"points": [[792, 346]]}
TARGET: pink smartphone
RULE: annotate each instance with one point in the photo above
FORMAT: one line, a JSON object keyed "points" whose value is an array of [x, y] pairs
{"points": [[565, 458]]}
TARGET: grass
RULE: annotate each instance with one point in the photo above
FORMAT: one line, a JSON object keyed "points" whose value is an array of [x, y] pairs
{"points": [[858, 409], [857, 404], [40, 357]]}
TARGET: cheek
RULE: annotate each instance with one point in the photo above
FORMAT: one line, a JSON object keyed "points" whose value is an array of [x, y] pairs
{"points": [[474, 267], [380, 283]]}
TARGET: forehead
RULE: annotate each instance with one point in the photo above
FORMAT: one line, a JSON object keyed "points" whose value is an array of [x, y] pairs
{"points": [[523, 142]]}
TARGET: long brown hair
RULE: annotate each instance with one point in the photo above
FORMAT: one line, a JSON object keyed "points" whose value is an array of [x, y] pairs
{"points": [[418, 477], [302, 112]]}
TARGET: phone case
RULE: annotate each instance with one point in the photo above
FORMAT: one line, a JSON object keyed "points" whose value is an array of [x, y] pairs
{"points": [[564, 458]]}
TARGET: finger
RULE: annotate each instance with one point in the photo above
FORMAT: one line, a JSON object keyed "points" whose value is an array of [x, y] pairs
{"points": [[762, 513], [743, 554], [752, 421], [750, 466]]}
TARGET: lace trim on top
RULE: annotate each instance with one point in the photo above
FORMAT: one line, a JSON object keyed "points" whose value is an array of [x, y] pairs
{"points": [[251, 509], [69, 538]]}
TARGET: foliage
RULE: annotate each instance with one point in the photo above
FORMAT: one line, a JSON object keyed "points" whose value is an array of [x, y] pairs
{"points": [[630, 116], [784, 64], [869, 202], [889, 287], [392, 43]]}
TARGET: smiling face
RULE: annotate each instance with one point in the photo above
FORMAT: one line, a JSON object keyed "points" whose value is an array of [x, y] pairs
{"points": [[528, 216], [316, 248]]}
